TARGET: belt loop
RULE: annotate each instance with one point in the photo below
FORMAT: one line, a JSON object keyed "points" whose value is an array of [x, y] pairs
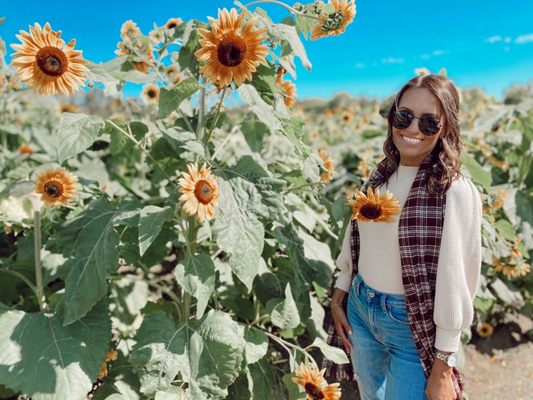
{"points": [[357, 284]]}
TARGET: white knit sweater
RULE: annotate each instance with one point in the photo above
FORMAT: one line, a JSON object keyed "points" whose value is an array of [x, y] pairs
{"points": [[459, 262]]}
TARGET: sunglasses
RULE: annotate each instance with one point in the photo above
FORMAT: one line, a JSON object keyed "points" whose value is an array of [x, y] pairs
{"points": [[428, 124]]}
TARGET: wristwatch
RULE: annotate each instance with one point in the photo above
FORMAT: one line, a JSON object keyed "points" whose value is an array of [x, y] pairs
{"points": [[449, 359]]}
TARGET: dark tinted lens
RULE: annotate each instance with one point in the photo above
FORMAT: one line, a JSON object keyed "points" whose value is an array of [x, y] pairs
{"points": [[429, 125], [402, 119]]}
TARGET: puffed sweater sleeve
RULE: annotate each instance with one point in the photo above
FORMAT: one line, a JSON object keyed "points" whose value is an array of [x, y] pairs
{"points": [[344, 262], [459, 264]]}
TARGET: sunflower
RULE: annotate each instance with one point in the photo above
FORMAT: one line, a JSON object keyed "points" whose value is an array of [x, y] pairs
{"points": [[288, 88], [315, 386], [336, 22], [150, 94], [25, 149], [200, 192], [141, 62], [346, 117], [231, 51], [56, 186], [485, 329], [46, 64], [129, 31], [328, 165], [500, 199], [67, 107], [373, 206], [173, 74], [173, 23]]}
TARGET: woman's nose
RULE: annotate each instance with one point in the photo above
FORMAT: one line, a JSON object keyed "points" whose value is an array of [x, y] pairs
{"points": [[413, 126]]}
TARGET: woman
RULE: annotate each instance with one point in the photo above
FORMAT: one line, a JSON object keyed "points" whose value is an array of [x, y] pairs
{"points": [[405, 288]]}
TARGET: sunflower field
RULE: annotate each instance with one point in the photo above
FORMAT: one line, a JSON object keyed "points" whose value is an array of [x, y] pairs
{"points": [[175, 247]]}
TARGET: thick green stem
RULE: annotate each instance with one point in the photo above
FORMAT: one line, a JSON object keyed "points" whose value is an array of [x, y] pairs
{"points": [[38, 267], [23, 278]]}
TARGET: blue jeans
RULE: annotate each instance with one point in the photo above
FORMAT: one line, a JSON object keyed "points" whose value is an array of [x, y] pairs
{"points": [[386, 361]]}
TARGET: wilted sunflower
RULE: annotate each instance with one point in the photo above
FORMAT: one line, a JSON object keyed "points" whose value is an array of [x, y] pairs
{"points": [[56, 186], [373, 206], [230, 51], [336, 22], [25, 149], [289, 90], [46, 64], [485, 329], [151, 94], [200, 192], [328, 165]]}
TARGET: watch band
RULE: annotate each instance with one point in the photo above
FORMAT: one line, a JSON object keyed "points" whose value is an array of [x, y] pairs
{"points": [[449, 359]]}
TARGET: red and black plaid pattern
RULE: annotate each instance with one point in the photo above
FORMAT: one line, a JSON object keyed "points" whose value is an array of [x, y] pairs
{"points": [[419, 234]]}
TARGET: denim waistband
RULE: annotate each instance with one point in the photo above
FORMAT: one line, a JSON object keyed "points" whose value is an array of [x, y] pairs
{"points": [[360, 286]]}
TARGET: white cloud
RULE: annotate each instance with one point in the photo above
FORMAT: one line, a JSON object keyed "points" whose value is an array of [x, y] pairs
{"points": [[522, 39], [494, 39], [392, 60], [360, 65]]}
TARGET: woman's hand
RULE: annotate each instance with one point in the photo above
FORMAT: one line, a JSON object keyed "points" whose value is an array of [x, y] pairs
{"points": [[339, 318], [440, 384]]}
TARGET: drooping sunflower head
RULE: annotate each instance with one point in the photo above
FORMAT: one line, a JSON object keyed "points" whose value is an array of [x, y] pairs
{"points": [[374, 206], [56, 186], [173, 74], [140, 54], [336, 22], [200, 192], [46, 64], [150, 94], [231, 50]]}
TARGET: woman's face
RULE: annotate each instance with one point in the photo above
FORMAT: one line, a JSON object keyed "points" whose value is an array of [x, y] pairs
{"points": [[412, 144]]}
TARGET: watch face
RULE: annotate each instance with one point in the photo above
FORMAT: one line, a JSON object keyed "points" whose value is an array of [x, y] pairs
{"points": [[451, 360]]}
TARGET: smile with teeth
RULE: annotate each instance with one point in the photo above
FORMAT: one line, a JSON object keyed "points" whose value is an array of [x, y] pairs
{"points": [[410, 139]]}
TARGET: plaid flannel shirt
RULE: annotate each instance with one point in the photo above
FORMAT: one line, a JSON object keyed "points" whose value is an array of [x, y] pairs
{"points": [[419, 234]]}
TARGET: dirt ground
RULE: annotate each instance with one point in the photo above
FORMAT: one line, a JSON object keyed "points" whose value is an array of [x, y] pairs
{"points": [[507, 374]]}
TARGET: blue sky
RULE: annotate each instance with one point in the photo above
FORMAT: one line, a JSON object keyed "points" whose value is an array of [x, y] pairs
{"points": [[488, 44]]}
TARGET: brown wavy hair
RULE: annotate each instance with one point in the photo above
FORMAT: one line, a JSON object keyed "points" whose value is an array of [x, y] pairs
{"points": [[446, 154]]}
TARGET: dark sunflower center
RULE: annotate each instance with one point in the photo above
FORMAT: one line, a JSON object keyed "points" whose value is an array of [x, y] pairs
{"points": [[53, 189], [52, 61], [151, 93], [371, 211], [231, 50], [333, 22], [313, 391], [171, 25], [203, 192]]}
